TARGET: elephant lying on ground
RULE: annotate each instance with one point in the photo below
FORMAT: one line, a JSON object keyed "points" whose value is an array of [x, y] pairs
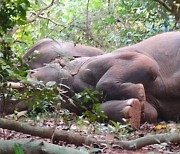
{"points": [[46, 50], [141, 81]]}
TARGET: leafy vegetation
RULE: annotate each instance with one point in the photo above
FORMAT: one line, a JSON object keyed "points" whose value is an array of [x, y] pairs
{"points": [[90, 102], [12, 12], [119, 23]]}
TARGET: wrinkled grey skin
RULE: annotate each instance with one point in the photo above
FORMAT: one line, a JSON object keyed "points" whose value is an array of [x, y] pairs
{"points": [[47, 50], [148, 71], [51, 72]]}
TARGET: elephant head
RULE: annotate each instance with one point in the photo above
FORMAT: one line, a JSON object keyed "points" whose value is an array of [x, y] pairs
{"points": [[47, 50], [51, 72]]}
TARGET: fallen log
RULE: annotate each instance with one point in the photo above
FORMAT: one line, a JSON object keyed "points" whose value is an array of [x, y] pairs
{"points": [[77, 139], [149, 140], [46, 132], [15, 85], [30, 146]]}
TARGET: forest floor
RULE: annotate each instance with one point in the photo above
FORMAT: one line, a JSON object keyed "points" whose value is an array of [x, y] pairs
{"points": [[102, 132]]}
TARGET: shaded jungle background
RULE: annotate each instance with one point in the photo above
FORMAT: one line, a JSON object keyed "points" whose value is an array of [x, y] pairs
{"points": [[108, 24]]}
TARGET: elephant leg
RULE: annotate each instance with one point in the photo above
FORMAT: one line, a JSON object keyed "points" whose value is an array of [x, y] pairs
{"points": [[123, 91], [115, 87], [150, 113], [117, 110], [137, 91], [131, 90], [131, 109]]}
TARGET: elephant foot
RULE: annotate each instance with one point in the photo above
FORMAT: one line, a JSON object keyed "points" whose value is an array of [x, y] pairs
{"points": [[141, 92], [130, 109], [133, 112]]}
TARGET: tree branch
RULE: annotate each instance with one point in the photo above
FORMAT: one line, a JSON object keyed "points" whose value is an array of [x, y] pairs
{"points": [[149, 140], [40, 11], [16, 27], [89, 33], [164, 5], [87, 15], [87, 30], [46, 132], [49, 19]]}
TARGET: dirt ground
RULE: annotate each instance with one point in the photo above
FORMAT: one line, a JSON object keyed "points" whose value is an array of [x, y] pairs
{"points": [[104, 132]]}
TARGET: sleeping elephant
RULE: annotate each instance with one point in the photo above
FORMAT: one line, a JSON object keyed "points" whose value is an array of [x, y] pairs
{"points": [[47, 50], [141, 81]]}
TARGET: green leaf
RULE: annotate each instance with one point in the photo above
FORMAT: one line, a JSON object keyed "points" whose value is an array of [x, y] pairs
{"points": [[18, 149], [96, 3], [27, 3], [50, 83], [110, 19], [137, 4]]}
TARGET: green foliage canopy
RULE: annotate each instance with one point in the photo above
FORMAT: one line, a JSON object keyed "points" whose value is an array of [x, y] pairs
{"points": [[107, 24], [12, 12]]}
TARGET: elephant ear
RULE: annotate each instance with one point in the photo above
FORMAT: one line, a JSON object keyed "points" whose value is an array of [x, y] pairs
{"points": [[75, 65]]}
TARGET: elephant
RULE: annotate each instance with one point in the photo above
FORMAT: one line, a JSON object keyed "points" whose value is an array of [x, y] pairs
{"points": [[46, 50], [140, 82]]}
